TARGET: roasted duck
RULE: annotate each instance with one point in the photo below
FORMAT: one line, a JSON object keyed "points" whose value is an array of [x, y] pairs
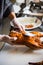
{"points": [[19, 41], [37, 33], [30, 41]]}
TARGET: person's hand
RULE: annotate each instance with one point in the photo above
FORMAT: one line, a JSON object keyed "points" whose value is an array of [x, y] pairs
{"points": [[17, 25], [15, 22], [8, 39]]}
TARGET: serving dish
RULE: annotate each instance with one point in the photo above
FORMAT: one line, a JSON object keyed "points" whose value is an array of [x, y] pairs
{"points": [[28, 22]]}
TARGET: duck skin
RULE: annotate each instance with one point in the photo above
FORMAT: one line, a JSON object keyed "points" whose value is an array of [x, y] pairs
{"points": [[30, 41]]}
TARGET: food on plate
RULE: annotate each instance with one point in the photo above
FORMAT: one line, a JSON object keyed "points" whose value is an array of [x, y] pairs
{"points": [[30, 41], [29, 26]]}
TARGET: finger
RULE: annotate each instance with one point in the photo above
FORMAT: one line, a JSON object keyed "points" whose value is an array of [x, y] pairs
{"points": [[23, 28], [20, 28], [6, 36], [13, 38]]}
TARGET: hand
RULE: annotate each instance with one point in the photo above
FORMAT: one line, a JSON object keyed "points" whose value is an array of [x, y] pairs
{"points": [[17, 25], [8, 39]]}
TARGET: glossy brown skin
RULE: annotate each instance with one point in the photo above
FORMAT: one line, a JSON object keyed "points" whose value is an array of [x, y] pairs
{"points": [[32, 42], [19, 36], [37, 33]]}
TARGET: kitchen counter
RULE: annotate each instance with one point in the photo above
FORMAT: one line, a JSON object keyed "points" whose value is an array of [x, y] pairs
{"points": [[19, 55]]}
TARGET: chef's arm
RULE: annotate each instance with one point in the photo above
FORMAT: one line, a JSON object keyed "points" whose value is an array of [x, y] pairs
{"points": [[12, 17]]}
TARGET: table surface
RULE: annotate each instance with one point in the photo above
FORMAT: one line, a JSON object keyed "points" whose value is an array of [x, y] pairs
{"points": [[34, 14], [19, 54]]}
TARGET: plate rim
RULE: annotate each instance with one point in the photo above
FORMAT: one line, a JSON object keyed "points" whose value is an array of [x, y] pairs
{"points": [[24, 26]]}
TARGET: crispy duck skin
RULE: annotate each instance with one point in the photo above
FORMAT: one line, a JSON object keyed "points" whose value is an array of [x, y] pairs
{"points": [[37, 33], [32, 42], [19, 41]]}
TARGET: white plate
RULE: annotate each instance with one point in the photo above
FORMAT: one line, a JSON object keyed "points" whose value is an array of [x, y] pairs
{"points": [[28, 21]]}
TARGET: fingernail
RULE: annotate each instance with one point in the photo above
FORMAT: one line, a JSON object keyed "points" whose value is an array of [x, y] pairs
{"points": [[15, 38]]}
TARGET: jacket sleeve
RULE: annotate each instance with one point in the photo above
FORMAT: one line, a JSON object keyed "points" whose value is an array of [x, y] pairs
{"points": [[8, 8]]}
